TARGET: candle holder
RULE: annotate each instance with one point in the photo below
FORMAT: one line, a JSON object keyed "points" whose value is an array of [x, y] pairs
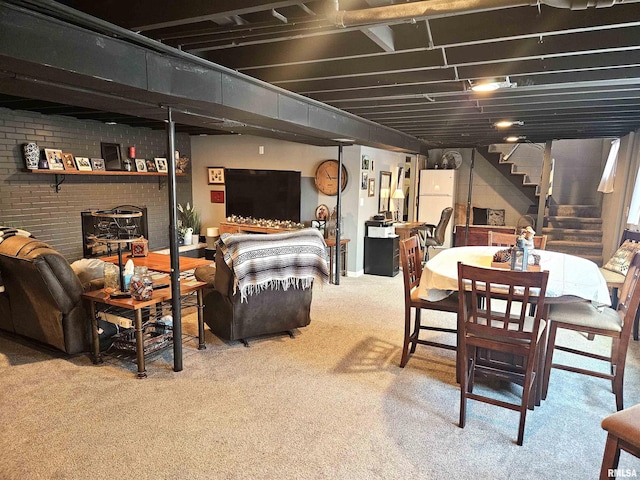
{"points": [[519, 256]]}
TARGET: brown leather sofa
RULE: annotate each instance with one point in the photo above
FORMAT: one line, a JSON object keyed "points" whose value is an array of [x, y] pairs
{"points": [[268, 312], [42, 297]]}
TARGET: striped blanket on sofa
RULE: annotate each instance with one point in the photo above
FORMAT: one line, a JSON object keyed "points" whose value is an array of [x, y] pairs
{"points": [[275, 261]]}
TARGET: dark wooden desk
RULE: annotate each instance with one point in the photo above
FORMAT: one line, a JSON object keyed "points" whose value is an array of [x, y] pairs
{"points": [[478, 234], [407, 229]]}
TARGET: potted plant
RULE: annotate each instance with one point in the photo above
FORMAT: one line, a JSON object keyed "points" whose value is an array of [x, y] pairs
{"points": [[189, 219]]}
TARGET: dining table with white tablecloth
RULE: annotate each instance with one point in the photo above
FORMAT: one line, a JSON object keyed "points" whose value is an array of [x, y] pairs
{"points": [[571, 278]]}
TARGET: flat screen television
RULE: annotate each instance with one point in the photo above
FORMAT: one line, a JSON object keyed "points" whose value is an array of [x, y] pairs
{"points": [[270, 194]]}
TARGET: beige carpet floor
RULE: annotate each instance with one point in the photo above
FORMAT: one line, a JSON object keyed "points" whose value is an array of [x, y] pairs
{"points": [[330, 404]]}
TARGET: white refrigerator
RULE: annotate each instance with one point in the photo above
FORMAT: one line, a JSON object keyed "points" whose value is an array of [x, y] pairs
{"points": [[436, 191]]}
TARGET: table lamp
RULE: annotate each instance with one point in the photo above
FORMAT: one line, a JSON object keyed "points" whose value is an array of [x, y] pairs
{"points": [[398, 195]]}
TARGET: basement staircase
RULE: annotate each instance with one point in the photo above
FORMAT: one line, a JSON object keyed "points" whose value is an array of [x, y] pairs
{"points": [[573, 229]]}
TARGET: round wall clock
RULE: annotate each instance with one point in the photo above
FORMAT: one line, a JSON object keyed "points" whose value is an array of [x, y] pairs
{"points": [[327, 177]]}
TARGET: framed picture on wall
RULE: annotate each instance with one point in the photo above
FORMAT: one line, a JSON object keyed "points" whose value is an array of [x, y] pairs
{"points": [[372, 187], [365, 162], [385, 192], [365, 181], [215, 175]]}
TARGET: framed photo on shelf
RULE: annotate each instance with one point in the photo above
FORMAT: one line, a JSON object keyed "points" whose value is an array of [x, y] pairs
{"points": [[216, 175], [97, 165], [111, 154], [151, 166], [319, 225], [83, 164], [161, 164], [141, 165], [68, 161], [54, 158], [372, 187]]}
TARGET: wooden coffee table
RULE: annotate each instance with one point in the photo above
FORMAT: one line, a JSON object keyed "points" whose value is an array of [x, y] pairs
{"points": [[160, 262]]}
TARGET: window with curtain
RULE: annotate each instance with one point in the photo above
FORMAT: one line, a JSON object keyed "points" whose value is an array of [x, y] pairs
{"points": [[634, 209], [609, 173]]}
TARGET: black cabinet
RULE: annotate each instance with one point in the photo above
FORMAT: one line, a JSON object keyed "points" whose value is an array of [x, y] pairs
{"points": [[382, 256]]}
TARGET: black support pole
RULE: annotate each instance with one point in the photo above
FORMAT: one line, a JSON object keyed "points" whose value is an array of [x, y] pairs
{"points": [[173, 244], [337, 248], [466, 226]]}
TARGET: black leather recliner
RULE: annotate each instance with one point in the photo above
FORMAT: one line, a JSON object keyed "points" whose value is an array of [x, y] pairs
{"points": [[43, 296], [270, 311]]}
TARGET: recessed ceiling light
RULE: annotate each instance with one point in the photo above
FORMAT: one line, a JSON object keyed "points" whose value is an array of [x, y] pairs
{"points": [[110, 123], [491, 85], [486, 87], [507, 123], [515, 138]]}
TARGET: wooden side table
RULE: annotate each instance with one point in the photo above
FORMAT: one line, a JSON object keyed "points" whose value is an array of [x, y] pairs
{"points": [[344, 245], [101, 301]]}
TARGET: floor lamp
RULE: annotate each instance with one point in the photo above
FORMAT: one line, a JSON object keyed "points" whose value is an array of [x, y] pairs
{"points": [[398, 195]]}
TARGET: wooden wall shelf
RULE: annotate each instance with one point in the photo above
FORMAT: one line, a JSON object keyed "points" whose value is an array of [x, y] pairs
{"points": [[60, 175], [102, 172]]}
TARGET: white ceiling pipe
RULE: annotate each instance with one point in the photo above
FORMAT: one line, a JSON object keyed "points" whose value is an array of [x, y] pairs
{"points": [[436, 8]]}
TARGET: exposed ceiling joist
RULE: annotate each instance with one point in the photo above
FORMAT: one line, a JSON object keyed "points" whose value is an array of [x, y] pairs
{"points": [[413, 72]]}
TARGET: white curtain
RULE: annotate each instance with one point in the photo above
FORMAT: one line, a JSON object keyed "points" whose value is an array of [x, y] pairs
{"points": [[609, 173], [634, 209]]}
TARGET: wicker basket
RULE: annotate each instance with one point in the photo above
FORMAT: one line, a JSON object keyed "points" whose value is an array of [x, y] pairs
{"points": [[152, 340]]}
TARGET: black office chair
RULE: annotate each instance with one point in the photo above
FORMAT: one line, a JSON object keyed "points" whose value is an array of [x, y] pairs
{"points": [[433, 235]]}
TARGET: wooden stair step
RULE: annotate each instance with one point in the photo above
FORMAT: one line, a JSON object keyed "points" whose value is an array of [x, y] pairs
{"points": [[574, 223], [573, 211], [573, 247], [572, 234]]}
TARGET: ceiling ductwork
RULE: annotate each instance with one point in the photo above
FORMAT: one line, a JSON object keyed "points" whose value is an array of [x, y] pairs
{"points": [[440, 8]]}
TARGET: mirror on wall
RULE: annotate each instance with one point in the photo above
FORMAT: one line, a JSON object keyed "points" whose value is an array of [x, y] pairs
{"points": [[385, 192]]}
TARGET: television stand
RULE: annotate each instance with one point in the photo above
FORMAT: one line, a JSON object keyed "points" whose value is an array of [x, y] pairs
{"points": [[231, 227]]}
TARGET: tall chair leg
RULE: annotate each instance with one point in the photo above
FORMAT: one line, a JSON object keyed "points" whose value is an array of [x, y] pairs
{"points": [[549, 359], [407, 337], [611, 456]]}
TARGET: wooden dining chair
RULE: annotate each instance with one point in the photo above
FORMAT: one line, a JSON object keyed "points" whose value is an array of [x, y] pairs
{"points": [[585, 318], [500, 239], [507, 332], [623, 433], [411, 262]]}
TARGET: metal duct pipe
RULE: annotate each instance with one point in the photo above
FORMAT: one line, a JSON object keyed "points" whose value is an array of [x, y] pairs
{"points": [[434, 8]]}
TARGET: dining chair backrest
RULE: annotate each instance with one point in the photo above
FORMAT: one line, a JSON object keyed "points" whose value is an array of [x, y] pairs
{"points": [[411, 262], [516, 291], [500, 239], [502, 330], [629, 297]]}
